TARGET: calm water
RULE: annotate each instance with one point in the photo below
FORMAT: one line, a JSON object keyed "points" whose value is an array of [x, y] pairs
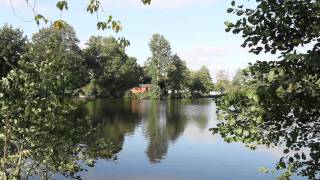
{"points": [[171, 140]]}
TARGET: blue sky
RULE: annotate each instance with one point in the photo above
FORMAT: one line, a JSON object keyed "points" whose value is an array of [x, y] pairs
{"points": [[195, 28]]}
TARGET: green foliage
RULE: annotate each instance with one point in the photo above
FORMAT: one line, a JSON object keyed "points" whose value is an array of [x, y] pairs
{"points": [[90, 89], [61, 5], [241, 77], [112, 70], [278, 105], [40, 17], [178, 77], [167, 71], [60, 49], [277, 25], [155, 92], [38, 135], [201, 82], [277, 102], [223, 82], [157, 65], [12, 47]]}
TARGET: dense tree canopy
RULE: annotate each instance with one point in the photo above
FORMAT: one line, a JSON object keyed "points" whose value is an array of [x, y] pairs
{"points": [[37, 134], [278, 105], [241, 77], [12, 47], [112, 70], [223, 82], [201, 81], [60, 49], [178, 77]]}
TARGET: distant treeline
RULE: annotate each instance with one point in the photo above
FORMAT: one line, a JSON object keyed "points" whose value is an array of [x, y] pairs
{"points": [[103, 68]]}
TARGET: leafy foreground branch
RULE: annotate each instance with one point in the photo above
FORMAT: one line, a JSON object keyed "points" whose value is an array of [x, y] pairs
{"points": [[278, 105], [38, 135]]}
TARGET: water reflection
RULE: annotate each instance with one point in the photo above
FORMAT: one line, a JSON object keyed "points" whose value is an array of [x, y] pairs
{"points": [[117, 118], [163, 122], [170, 139], [149, 139]]}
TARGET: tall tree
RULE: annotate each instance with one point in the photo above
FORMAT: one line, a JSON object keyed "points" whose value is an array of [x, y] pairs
{"points": [[157, 65], [60, 49], [178, 76], [12, 47], [223, 83]]}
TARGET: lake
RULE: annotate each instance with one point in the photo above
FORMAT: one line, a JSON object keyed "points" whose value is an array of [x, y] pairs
{"points": [[170, 139]]}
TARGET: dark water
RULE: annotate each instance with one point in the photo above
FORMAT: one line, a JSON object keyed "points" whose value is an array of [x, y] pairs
{"points": [[171, 140]]}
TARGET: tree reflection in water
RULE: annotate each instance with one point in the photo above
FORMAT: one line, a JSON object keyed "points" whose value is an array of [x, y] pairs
{"points": [[163, 122], [74, 139]]}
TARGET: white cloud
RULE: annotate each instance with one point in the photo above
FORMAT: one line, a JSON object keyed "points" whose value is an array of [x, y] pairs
{"points": [[215, 58], [225, 57]]}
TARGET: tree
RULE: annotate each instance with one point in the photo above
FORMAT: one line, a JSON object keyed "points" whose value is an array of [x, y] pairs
{"points": [[178, 77], [278, 104], [241, 77], [223, 82], [144, 77], [157, 65], [167, 71], [60, 49], [112, 70], [12, 47], [201, 81], [129, 76], [37, 134]]}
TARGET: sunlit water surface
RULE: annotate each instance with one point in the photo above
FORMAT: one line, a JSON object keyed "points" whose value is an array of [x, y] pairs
{"points": [[170, 140]]}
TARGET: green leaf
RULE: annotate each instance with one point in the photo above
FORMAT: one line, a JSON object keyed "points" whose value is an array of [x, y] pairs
{"points": [[230, 10], [240, 12], [40, 17], [62, 5]]}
